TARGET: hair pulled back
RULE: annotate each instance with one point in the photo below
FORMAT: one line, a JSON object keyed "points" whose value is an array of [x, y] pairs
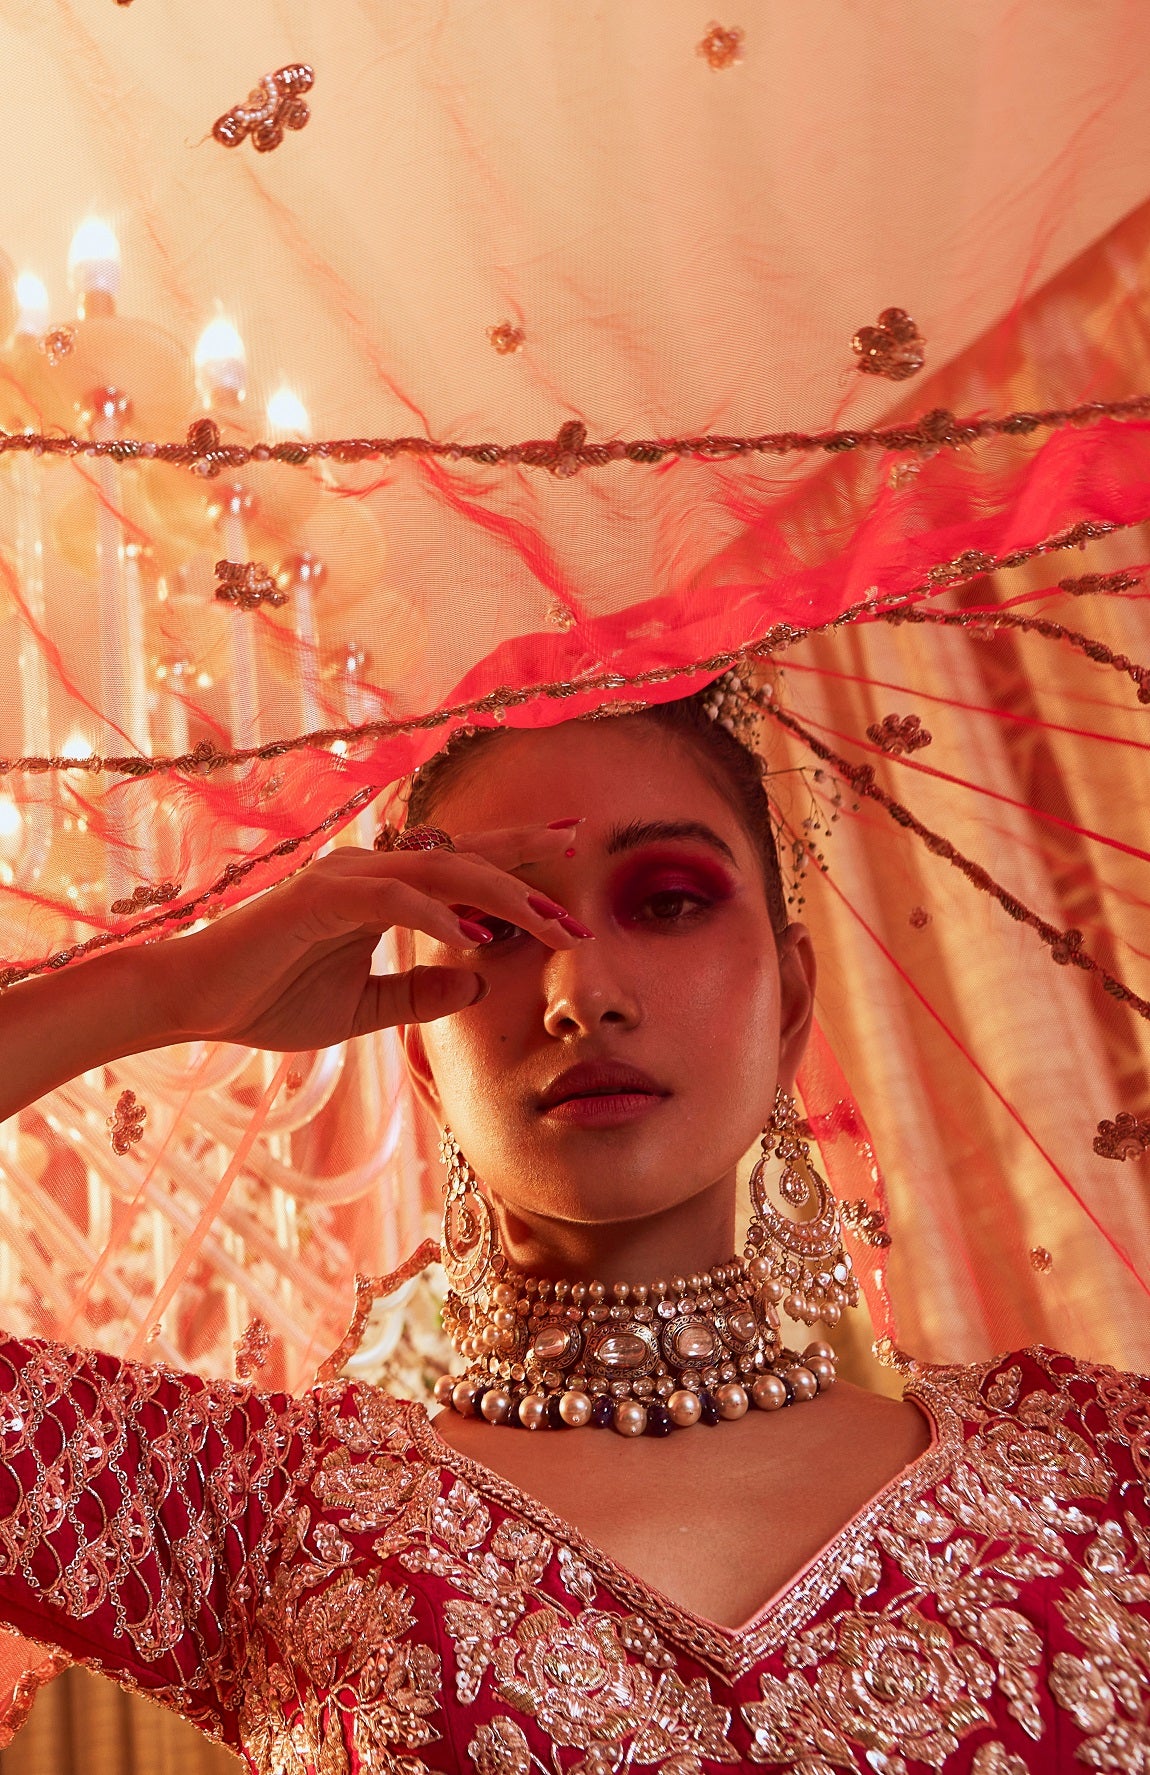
{"points": [[736, 772]]}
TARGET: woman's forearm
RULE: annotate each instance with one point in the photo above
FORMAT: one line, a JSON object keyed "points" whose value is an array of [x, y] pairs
{"points": [[59, 1025]]}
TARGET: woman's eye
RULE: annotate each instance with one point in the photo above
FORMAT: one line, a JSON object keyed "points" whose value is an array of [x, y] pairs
{"points": [[670, 905], [502, 930]]}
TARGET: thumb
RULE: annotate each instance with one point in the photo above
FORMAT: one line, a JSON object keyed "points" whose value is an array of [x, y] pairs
{"points": [[418, 996]]}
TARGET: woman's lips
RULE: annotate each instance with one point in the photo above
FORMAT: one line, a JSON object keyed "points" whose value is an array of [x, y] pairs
{"points": [[599, 1093], [604, 1108]]}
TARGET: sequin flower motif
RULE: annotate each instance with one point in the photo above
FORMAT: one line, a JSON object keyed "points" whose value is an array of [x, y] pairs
{"points": [[126, 1126], [58, 343], [252, 1350], [1126, 1137], [898, 735], [275, 105], [866, 1223], [722, 46], [506, 337], [144, 895], [893, 348], [247, 585]]}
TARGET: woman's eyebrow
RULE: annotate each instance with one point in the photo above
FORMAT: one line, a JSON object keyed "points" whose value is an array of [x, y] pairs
{"points": [[638, 832]]}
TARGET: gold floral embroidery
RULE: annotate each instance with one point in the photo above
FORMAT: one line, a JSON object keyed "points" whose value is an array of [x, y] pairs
{"points": [[385, 1582], [995, 1759]]}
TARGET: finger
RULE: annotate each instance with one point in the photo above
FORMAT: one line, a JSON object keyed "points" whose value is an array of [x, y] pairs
{"points": [[472, 882], [359, 902], [419, 996], [514, 847]]}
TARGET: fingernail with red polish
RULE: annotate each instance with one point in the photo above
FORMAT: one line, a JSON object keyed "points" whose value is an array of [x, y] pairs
{"points": [[475, 933], [561, 825], [573, 927], [544, 907]]}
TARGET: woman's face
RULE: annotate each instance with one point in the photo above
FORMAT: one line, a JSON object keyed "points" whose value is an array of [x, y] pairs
{"points": [[683, 984]]}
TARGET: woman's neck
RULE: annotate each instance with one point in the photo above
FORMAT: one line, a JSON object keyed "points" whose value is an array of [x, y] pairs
{"points": [[681, 1241]]}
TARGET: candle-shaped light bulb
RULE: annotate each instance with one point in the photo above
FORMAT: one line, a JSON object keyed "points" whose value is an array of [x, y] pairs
{"points": [[221, 363], [11, 829], [32, 305], [94, 267], [287, 416]]}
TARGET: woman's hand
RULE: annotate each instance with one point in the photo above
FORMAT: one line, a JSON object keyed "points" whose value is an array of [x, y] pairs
{"points": [[292, 969]]}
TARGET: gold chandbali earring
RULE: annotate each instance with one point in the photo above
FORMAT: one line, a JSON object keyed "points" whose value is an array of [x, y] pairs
{"points": [[800, 1264], [471, 1255], [642, 1357]]}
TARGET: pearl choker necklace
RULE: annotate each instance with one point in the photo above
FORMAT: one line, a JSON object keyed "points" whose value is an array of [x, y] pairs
{"points": [[643, 1358]]}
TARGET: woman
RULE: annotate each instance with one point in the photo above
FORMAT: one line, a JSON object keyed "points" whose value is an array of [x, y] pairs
{"points": [[605, 1007]]}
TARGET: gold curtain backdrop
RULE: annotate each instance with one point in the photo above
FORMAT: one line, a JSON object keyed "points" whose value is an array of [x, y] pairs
{"points": [[618, 240]]}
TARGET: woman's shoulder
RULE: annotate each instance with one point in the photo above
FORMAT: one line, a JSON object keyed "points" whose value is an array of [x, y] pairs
{"points": [[1047, 1418]]}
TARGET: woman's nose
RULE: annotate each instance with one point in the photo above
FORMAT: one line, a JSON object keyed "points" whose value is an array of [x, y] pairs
{"points": [[586, 988]]}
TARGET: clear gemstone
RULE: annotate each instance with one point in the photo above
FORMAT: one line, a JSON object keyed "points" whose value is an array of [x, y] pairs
{"points": [[552, 1343], [694, 1343], [621, 1350]]}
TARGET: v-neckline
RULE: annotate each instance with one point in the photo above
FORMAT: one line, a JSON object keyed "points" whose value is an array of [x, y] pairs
{"points": [[727, 1651]]}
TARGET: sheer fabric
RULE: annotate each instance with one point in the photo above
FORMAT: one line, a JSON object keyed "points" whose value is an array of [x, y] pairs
{"points": [[631, 245]]}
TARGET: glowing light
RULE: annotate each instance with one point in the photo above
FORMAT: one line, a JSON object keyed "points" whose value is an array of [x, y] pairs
{"points": [[11, 828], [287, 415], [78, 745], [94, 258], [33, 305], [221, 361]]}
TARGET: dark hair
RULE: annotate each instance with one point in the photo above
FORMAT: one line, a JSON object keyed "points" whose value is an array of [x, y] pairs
{"points": [[736, 772]]}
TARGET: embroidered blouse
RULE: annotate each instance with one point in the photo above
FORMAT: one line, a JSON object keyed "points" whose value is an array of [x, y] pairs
{"points": [[325, 1586]]}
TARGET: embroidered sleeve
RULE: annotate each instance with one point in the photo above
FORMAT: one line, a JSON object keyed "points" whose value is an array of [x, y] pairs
{"points": [[139, 1512]]}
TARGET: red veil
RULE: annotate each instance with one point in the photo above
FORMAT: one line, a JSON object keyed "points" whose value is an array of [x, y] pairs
{"points": [[629, 342]]}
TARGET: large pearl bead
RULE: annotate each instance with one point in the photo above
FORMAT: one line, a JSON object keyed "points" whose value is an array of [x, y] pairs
{"points": [[826, 1351], [732, 1400], [463, 1398], [803, 1382], [630, 1417], [575, 1409], [684, 1408], [444, 1387], [496, 1405], [533, 1413], [823, 1370], [769, 1393]]}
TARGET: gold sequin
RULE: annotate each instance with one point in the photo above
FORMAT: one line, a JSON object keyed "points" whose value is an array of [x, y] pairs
{"points": [[272, 107], [247, 585], [506, 337], [722, 45], [1126, 1137], [1041, 1260], [145, 895], [893, 348], [126, 1125], [899, 735], [58, 343], [252, 1350]]}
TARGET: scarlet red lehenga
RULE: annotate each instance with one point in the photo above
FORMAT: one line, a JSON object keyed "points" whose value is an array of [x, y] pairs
{"points": [[321, 1582]]}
